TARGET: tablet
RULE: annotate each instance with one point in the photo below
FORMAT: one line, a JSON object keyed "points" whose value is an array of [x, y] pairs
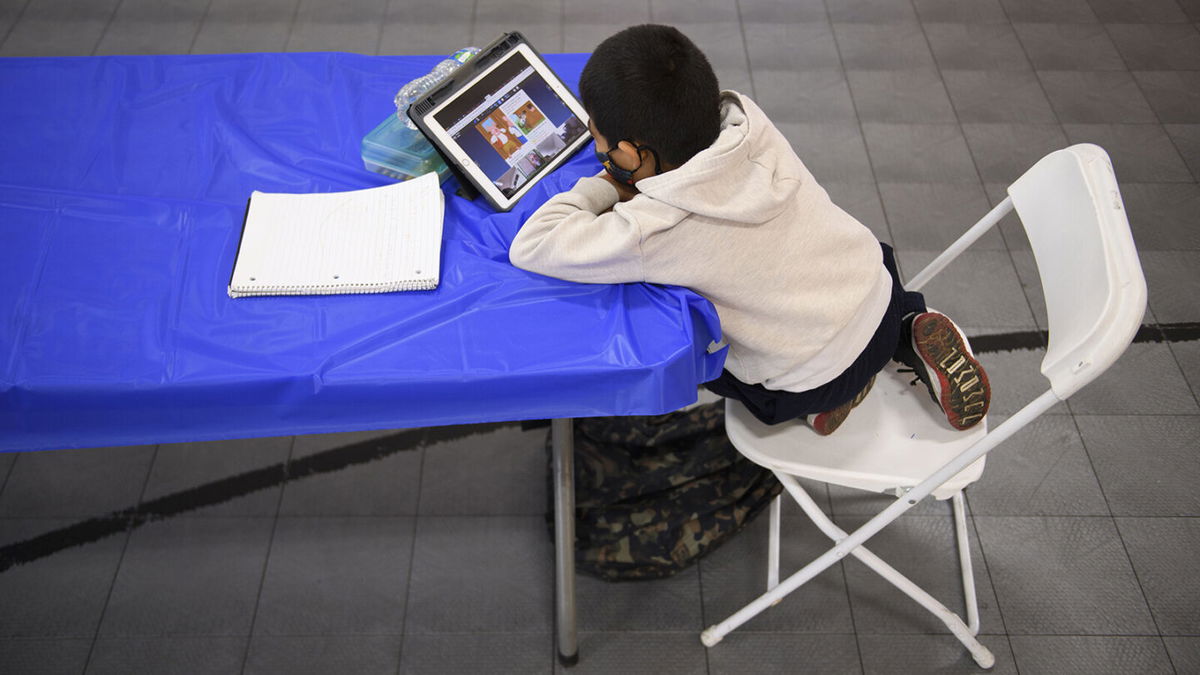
{"points": [[503, 121]]}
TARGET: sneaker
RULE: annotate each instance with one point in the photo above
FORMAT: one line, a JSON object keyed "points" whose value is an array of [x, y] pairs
{"points": [[940, 356], [827, 422]]}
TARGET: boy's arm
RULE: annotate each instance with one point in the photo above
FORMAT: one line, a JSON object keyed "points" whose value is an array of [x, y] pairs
{"points": [[576, 236]]}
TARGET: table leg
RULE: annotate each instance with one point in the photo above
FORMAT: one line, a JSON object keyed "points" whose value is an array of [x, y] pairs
{"points": [[563, 441]]}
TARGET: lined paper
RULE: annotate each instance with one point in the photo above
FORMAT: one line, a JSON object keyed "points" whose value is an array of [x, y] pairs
{"points": [[365, 241]]}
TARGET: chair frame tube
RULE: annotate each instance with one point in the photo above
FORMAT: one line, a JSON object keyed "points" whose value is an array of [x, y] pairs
{"points": [[773, 543], [969, 237], [853, 543], [964, 561]]}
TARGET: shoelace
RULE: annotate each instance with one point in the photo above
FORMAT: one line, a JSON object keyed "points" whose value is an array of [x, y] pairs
{"points": [[915, 379]]}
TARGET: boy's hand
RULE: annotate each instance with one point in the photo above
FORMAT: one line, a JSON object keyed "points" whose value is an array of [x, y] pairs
{"points": [[624, 192]]}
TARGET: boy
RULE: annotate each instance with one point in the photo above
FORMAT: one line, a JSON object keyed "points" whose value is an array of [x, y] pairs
{"points": [[701, 190]]}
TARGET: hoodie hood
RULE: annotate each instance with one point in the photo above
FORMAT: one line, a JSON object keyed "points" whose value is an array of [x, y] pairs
{"points": [[723, 182]]}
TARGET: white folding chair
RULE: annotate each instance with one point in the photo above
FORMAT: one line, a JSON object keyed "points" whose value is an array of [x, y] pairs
{"points": [[898, 441]]}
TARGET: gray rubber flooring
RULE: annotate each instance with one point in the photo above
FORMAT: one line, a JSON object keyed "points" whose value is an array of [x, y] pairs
{"points": [[434, 558]]}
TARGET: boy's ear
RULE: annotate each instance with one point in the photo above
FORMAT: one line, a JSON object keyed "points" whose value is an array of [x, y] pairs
{"points": [[628, 148]]}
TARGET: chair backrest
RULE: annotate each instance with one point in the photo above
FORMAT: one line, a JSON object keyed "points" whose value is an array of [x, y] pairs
{"points": [[1072, 212]]}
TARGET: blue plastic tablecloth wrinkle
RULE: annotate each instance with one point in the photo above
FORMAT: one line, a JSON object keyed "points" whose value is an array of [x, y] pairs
{"points": [[123, 184]]}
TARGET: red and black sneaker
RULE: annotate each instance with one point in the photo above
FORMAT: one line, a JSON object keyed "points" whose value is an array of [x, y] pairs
{"points": [[941, 357], [827, 422]]}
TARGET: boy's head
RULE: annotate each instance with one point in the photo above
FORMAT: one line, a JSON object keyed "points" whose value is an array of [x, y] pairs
{"points": [[651, 85]]}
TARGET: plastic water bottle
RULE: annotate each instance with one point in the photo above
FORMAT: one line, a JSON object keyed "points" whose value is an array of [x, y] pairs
{"points": [[417, 88]]}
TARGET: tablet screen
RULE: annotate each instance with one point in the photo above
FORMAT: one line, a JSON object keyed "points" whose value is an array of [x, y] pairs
{"points": [[511, 124]]}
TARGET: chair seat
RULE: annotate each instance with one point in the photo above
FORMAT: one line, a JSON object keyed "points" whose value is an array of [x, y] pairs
{"points": [[895, 438]]}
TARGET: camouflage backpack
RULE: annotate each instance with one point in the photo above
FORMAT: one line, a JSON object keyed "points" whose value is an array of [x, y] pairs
{"points": [[654, 494]]}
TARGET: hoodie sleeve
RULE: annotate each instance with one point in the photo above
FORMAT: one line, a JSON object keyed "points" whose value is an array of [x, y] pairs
{"points": [[576, 236]]}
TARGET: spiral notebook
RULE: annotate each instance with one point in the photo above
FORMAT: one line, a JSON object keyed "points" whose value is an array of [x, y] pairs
{"points": [[376, 240]]}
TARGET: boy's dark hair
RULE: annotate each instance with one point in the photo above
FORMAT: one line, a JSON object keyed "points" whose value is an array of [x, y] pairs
{"points": [[651, 83]]}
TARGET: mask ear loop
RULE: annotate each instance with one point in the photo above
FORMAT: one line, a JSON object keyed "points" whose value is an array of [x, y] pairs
{"points": [[626, 175], [657, 161], [616, 170]]}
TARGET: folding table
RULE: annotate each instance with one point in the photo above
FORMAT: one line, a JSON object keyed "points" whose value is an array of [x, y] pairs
{"points": [[123, 184]]}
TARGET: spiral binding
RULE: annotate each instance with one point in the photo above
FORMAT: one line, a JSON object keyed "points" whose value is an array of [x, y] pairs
{"points": [[336, 289]]}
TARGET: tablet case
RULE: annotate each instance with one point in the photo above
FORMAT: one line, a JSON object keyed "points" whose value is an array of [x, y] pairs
{"points": [[493, 52]]}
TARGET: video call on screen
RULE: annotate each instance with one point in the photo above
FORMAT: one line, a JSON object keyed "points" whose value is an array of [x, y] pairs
{"points": [[523, 126]]}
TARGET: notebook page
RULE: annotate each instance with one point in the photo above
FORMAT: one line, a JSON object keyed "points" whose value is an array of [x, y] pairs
{"points": [[320, 243]]}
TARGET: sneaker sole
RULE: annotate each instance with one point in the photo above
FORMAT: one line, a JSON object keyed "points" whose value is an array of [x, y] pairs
{"points": [[827, 422], [961, 385]]}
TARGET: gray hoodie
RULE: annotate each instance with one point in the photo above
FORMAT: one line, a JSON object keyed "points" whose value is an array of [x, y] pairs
{"points": [[799, 284]]}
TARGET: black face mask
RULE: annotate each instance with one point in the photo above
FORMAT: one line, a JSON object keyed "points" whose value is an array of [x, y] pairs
{"points": [[626, 175]]}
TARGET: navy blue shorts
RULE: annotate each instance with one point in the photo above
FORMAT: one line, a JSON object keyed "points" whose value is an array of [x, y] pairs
{"points": [[773, 406]]}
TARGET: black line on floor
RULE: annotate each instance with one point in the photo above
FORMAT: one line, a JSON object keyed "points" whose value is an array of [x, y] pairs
{"points": [[1181, 332], [1036, 339], [1009, 342], [232, 487], [336, 459]]}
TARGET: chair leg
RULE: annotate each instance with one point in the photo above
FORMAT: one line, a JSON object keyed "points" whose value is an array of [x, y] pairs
{"points": [[716, 633], [964, 561], [982, 655], [773, 543]]}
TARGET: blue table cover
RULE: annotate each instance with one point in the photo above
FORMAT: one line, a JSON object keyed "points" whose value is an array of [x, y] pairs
{"points": [[123, 183]]}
